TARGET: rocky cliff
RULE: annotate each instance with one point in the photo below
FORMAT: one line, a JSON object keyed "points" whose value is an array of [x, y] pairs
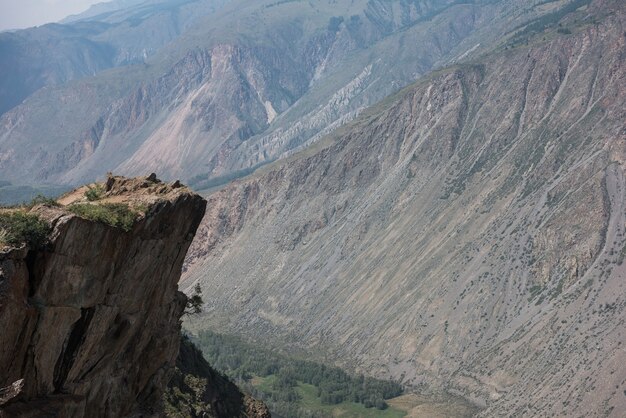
{"points": [[91, 315], [467, 234]]}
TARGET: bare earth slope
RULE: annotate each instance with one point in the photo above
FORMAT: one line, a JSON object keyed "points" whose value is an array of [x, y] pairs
{"points": [[467, 235]]}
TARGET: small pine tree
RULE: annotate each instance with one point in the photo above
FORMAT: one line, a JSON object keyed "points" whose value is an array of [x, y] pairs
{"points": [[194, 302]]}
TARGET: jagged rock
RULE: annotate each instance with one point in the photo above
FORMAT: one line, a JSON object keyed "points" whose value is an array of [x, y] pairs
{"points": [[11, 391], [91, 322]]}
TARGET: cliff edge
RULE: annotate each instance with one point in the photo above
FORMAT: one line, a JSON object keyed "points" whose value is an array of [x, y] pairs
{"points": [[90, 316]]}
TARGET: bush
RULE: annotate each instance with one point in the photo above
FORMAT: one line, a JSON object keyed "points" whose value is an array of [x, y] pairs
{"points": [[43, 200], [17, 228], [115, 214], [94, 193]]}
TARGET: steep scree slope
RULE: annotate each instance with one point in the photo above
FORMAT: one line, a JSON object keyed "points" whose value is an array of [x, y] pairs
{"points": [[468, 234], [91, 323]]}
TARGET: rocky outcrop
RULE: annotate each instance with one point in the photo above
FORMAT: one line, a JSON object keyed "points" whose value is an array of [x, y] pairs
{"points": [[467, 235], [91, 321]]}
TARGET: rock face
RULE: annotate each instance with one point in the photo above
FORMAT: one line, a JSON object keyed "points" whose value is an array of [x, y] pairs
{"points": [[91, 323], [466, 235]]}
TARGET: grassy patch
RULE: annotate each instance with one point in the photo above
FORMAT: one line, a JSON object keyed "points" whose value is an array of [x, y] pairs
{"points": [[114, 214], [293, 387], [310, 401], [43, 200], [17, 228], [264, 384]]}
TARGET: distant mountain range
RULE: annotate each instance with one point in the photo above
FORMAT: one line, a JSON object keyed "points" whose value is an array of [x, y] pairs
{"points": [[96, 11], [207, 90]]}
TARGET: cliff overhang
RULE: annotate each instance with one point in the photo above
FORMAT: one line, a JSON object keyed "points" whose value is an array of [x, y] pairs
{"points": [[91, 317]]}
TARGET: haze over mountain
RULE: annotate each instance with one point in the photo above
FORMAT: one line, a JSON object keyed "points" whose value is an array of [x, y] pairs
{"points": [[29, 13], [467, 234], [55, 54], [219, 86]]}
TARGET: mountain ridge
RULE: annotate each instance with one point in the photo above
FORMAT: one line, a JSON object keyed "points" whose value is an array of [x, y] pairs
{"points": [[286, 75]]}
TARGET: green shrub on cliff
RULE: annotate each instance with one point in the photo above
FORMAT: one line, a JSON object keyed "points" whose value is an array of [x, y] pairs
{"points": [[17, 228], [43, 200], [115, 214], [94, 193]]}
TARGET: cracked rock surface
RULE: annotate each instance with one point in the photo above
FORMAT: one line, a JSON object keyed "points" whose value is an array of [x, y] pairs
{"points": [[91, 322]]}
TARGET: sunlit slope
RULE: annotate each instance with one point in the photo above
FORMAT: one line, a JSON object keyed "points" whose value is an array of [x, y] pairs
{"points": [[467, 234]]}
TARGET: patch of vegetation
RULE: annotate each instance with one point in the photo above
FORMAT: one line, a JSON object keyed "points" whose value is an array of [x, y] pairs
{"points": [[278, 3], [535, 290], [184, 399], [115, 214], [194, 386], [310, 400], [94, 193], [204, 181], [309, 404], [547, 21], [194, 302], [43, 200], [622, 254], [293, 387], [17, 228], [558, 289], [334, 23]]}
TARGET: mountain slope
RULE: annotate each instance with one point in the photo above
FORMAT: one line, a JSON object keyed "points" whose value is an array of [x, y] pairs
{"points": [[55, 54], [243, 85], [467, 234]]}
